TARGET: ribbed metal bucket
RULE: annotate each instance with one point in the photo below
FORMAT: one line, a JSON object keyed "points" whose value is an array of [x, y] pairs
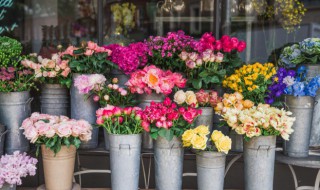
{"points": [[210, 170], [83, 108], [8, 187], [106, 139], [206, 118], [122, 78], [3, 132], [145, 100], [55, 100], [14, 108], [315, 127], [259, 158], [168, 158], [125, 151], [302, 109], [237, 141]]}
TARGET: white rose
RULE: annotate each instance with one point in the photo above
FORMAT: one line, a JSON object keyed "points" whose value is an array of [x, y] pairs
{"points": [[179, 97]]}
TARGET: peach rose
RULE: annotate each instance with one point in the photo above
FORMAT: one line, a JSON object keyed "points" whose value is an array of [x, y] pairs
{"points": [[191, 98]]}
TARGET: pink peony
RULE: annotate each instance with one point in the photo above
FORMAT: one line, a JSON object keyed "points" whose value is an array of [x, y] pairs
{"points": [[64, 130], [83, 84], [91, 45]]}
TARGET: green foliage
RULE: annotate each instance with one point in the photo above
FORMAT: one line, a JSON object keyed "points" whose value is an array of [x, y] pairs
{"points": [[10, 51]]}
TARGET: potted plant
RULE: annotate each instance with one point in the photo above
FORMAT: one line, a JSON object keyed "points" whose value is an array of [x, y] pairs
{"points": [[58, 137], [54, 75], [166, 122], [204, 100], [124, 129], [14, 167], [299, 98], [87, 59], [210, 159], [260, 125], [153, 84], [15, 84]]}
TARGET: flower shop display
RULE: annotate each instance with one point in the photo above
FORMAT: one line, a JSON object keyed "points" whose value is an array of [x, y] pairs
{"points": [[153, 84], [260, 125], [124, 129], [15, 83], [14, 167], [210, 159], [205, 100], [54, 75], [58, 137], [166, 122], [252, 81], [212, 60], [300, 100]]}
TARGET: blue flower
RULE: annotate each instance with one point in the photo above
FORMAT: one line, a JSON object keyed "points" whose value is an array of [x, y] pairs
{"points": [[301, 69], [298, 89], [288, 90]]}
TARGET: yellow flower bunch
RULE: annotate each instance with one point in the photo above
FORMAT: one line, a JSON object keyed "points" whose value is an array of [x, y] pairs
{"points": [[197, 139], [251, 80], [230, 101], [221, 142]]}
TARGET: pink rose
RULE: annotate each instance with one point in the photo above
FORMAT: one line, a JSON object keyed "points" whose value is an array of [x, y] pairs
{"points": [[191, 64], [218, 45], [146, 126], [50, 132], [91, 45], [99, 120], [193, 56], [86, 137], [206, 55], [199, 62], [219, 57], [88, 52], [64, 64], [31, 134], [241, 46], [96, 98], [234, 42], [52, 74], [69, 51], [202, 97], [51, 64], [184, 55], [66, 72], [212, 58], [64, 130]]}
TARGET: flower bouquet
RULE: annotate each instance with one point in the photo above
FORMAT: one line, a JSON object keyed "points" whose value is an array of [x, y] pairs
{"points": [[252, 81], [124, 129], [49, 71], [95, 85], [59, 137], [14, 167], [210, 159], [88, 59], [212, 60]]}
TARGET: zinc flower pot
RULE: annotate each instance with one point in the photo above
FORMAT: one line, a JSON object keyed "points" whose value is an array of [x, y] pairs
{"points": [[206, 118], [59, 168], [14, 108], [8, 187], [237, 141], [125, 151], [313, 70], [210, 170], [3, 132], [145, 100], [84, 108], [259, 158], [168, 158], [315, 127], [55, 100], [122, 78], [302, 109]]}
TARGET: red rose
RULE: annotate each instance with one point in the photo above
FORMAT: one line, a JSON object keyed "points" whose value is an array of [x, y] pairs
{"points": [[241, 46]]}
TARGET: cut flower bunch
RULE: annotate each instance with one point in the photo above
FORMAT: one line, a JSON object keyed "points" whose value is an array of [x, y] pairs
{"points": [[14, 167], [167, 120], [200, 98], [55, 131]]}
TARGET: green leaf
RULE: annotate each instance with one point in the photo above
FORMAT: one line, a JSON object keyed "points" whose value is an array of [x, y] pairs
{"points": [[162, 132], [76, 142], [154, 135], [66, 142], [203, 74], [197, 83]]}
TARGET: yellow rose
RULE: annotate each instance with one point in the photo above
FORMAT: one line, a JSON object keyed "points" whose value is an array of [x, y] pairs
{"points": [[223, 144], [199, 142], [191, 98], [202, 130], [179, 97], [187, 137], [216, 135]]}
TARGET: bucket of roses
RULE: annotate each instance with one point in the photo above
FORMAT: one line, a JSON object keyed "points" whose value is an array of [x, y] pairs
{"points": [[166, 122], [124, 129], [58, 137], [14, 167], [152, 85], [88, 59], [54, 75], [210, 159], [260, 125]]}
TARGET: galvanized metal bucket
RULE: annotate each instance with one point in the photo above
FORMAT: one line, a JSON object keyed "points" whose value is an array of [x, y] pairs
{"points": [[106, 139], [313, 70], [122, 78], [168, 158], [259, 158], [55, 100], [210, 170], [315, 127], [237, 141], [8, 187], [302, 109], [206, 118], [125, 151], [145, 100], [84, 108], [14, 108], [3, 133]]}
